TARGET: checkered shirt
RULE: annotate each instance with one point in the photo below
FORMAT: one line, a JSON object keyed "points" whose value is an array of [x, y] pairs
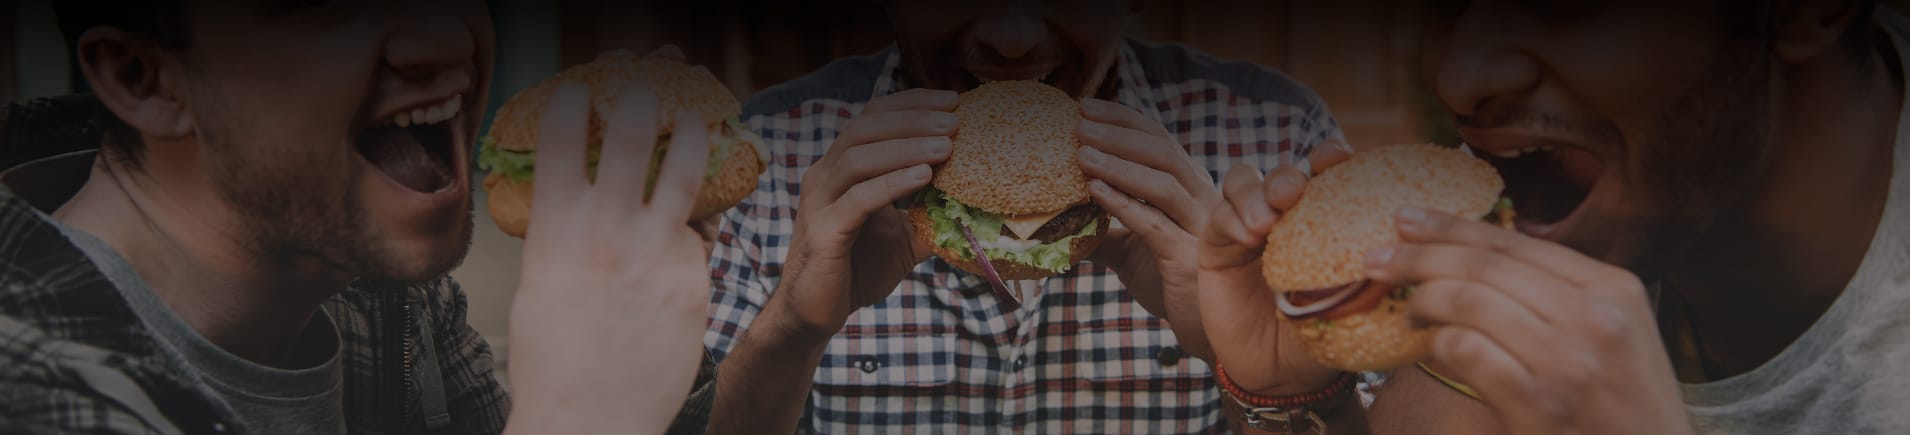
{"points": [[937, 356]]}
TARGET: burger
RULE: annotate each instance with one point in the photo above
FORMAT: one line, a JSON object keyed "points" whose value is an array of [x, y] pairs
{"points": [[1315, 256], [508, 152], [1010, 203]]}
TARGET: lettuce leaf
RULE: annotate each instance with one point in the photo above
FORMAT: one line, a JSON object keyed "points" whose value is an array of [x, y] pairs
{"points": [[946, 215], [516, 165], [520, 166]]}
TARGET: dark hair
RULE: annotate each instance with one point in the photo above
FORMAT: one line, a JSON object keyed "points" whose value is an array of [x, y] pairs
{"points": [[163, 21]]}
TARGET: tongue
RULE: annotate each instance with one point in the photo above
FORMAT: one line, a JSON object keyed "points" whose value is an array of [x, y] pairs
{"points": [[1580, 167], [398, 153]]}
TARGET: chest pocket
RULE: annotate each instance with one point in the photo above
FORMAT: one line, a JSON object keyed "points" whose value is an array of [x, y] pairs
{"points": [[866, 360]]}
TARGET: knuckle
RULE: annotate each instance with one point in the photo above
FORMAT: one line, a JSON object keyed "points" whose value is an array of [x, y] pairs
{"points": [[1605, 325]]}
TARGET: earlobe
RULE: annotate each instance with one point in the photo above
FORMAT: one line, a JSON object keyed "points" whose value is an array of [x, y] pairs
{"points": [[1807, 29], [131, 78]]}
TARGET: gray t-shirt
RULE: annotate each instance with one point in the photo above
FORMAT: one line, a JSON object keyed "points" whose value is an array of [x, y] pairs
{"points": [[307, 400], [1850, 372]]}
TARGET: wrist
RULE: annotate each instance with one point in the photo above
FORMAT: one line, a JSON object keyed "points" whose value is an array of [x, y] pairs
{"points": [[784, 318]]}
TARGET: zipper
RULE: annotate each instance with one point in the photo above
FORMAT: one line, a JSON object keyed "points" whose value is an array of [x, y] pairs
{"points": [[398, 308]]}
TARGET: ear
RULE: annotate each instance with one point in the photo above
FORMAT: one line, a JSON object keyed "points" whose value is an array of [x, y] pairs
{"points": [[1806, 29], [134, 78]]}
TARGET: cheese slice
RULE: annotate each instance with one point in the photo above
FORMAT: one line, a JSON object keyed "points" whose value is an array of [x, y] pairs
{"points": [[1024, 226]]}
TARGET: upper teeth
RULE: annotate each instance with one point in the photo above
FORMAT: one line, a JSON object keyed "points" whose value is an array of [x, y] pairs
{"points": [[1511, 153], [430, 115], [1041, 78]]}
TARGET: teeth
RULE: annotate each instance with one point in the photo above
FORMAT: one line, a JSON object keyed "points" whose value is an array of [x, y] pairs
{"points": [[430, 115], [1514, 153]]}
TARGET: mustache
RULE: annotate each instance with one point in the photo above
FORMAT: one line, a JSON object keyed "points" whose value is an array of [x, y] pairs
{"points": [[1528, 117]]}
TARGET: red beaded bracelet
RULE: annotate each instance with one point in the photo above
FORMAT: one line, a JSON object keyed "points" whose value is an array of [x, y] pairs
{"points": [[1338, 386]]}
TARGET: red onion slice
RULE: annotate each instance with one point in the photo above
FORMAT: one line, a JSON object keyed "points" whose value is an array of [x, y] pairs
{"points": [[1299, 313], [1008, 300]]}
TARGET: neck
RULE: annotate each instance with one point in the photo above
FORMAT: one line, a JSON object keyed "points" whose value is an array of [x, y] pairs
{"points": [[186, 244], [1764, 274]]}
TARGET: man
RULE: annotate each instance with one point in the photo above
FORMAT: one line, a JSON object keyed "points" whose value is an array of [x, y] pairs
{"points": [[825, 318], [258, 248], [1734, 170]]}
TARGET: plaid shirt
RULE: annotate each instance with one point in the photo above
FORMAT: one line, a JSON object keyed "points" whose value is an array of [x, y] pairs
{"points": [[936, 357]]}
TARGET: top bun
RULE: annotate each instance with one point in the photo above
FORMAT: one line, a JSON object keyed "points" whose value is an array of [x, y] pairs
{"points": [[678, 87], [1013, 152], [1349, 209]]}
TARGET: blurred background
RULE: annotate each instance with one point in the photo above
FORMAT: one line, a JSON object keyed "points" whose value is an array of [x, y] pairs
{"points": [[1357, 54]]}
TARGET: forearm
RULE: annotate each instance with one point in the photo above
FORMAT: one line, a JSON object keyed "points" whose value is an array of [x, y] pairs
{"points": [[766, 379]]}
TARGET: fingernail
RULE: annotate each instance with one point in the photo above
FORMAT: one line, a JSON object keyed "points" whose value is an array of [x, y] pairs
{"points": [[944, 122], [1090, 105], [1092, 156], [920, 173], [1306, 168], [938, 147], [946, 97], [1091, 128], [1097, 186], [1412, 216], [1379, 257]]}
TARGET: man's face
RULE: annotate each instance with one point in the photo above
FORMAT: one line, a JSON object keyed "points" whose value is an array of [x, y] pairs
{"points": [[296, 106], [1643, 120], [958, 45]]}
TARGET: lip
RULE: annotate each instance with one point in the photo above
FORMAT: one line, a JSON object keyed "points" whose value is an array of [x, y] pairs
{"points": [[1490, 140], [1025, 73]]}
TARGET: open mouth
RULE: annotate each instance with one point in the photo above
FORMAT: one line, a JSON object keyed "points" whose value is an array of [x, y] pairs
{"points": [[974, 79], [1546, 184], [416, 148]]}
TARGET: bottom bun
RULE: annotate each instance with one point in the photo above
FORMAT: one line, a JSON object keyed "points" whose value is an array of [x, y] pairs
{"points": [[509, 203], [733, 182], [1078, 249], [1380, 339]]}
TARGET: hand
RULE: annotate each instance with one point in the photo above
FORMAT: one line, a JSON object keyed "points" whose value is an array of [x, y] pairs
{"points": [[1259, 350], [1552, 340], [709, 227], [598, 254], [1142, 176], [850, 247]]}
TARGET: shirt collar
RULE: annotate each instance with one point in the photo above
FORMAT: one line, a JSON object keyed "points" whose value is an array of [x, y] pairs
{"points": [[1130, 80]]}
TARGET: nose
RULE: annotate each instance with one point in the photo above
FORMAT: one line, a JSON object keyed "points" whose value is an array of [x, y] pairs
{"points": [[428, 44], [1476, 61], [1013, 33]]}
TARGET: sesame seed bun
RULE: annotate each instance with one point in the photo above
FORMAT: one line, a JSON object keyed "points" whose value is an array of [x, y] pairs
{"points": [[1380, 339], [1348, 210], [677, 86], [1013, 151], [509, 203], [1079, 249]]}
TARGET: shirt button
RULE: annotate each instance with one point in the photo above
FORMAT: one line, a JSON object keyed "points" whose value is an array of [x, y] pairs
{"points": [[1168, 356], [1020, 362], [868, 364]]}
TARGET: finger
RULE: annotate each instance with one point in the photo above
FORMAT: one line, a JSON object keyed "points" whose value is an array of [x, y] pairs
{"points": [[1326, 156], [668, 51], [1467, 304], [1158, 188], [1226, 242], [560, 149], [848, 213], [1421, 225], [1543, 294], [1502, 382], [1243, 193], [681, 175], [873, 160], [1155, 229], [1283, 188], [914, 99], [870, 128], [1160, 153], [629, 144], [1109, 112]]}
